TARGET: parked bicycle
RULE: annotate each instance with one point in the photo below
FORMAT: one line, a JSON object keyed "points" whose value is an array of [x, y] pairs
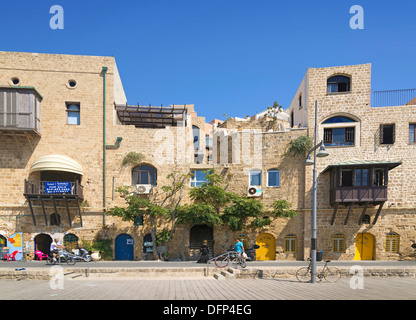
{"points": [[330, 274], [224, 260]]}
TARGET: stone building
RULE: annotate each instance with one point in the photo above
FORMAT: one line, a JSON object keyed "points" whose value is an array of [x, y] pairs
{"points": [[66, 130]]}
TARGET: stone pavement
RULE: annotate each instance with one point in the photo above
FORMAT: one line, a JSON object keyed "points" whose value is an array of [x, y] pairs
{"points": [[209, 289]]}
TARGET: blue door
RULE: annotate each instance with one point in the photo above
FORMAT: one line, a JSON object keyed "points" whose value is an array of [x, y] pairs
{"points": [[124, 246]]}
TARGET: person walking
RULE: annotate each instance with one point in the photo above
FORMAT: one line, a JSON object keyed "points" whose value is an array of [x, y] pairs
{"points": [[204, 250], [239, 248]]}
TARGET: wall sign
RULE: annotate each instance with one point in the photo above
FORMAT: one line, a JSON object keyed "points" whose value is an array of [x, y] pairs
{"points": [[57, 187]]}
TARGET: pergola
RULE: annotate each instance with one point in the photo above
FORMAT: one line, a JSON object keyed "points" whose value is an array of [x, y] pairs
{"points": [[150, 116]]}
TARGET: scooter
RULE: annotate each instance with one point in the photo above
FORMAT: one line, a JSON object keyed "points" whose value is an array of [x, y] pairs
{"points": [[63, 256], [82, 255]]}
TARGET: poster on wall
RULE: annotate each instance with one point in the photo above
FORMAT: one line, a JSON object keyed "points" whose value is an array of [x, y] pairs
{"points": [[15, 243]]}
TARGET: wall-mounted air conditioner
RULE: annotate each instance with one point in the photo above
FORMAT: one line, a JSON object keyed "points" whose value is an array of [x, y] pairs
{"points": [[254, 191], [143, 188]]}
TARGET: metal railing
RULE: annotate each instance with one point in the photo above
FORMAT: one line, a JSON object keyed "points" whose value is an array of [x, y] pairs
{"points": [[390, 98], [38, 188]]}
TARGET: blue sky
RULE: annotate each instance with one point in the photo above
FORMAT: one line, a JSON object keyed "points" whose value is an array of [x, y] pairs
{"points": [[233, 57]]}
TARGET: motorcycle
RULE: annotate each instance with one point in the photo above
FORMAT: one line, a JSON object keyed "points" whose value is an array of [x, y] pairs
{"points": [[251, 253], [63, 256], [82, 255]]}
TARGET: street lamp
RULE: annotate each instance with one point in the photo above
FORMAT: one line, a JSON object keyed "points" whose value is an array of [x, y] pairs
{"points": [[322, 153]]}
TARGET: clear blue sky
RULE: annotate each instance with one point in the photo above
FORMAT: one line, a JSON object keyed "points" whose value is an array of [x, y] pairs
{"points": [[225, 56]]}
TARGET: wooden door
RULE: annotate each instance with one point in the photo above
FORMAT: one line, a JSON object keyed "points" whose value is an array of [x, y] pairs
{"points": [[364, 246], [267, 247]]}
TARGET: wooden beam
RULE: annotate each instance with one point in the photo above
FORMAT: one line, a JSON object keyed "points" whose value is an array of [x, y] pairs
{"points": [[31, 210], [360, 221], [79, 212], [349, 213], [43, 210], [67, 211], [378, 213], [334, 214]]}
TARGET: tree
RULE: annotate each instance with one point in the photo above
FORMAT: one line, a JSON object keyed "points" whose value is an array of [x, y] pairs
{"points": [[160, 204], [197, 213]]}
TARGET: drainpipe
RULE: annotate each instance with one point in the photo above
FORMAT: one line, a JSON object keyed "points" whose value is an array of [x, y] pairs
{"points": [[105, 69]]}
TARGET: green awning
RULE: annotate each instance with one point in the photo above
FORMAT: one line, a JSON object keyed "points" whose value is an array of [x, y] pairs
{"points": [[356, 163]]}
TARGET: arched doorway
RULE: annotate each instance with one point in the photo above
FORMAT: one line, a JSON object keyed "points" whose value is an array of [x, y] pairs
{"points": [[70, 241], [198, 234], [43, 243], [267, 247], [364, 246], [124, 247]]}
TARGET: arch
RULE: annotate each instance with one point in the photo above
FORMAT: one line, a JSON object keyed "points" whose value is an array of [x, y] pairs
{"points": [[364, 246], [70, 241], [124, 247], [43, 243], [55, 219], [338, 83], [267, 247], [144, 174], [198, 234]]}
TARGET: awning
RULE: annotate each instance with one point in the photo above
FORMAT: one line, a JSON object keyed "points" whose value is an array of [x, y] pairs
{"points": [[356, 163], [56, 162]]}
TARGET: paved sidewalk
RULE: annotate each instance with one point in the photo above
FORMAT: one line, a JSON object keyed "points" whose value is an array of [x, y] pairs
{"points": [[207, 289]]}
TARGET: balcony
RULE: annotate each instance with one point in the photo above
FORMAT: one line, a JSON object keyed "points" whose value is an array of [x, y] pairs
{"points": [[54, 189], [20, 110], [51, 193], [392, 98], [358, 194]]}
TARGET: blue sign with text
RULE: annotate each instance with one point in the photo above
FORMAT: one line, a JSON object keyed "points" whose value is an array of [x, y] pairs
{"points": [[57, 187]]}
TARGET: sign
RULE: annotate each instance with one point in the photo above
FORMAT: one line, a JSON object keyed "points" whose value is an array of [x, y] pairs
{"points": [[15, 243], [57, 187]]}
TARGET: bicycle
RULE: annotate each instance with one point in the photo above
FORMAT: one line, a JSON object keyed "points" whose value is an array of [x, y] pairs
{"points": [[330, 274], [230, 256]]}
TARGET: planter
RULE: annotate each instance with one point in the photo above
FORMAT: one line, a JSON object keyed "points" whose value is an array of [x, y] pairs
{"points": [[95, 256]]}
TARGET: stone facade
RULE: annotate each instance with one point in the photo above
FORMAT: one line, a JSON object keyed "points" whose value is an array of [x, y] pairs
{"points": [[239, 146]]}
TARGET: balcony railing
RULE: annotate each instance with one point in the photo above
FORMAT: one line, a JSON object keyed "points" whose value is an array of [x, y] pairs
{"points": [[359, 194], [391, 98], [53, 188]]}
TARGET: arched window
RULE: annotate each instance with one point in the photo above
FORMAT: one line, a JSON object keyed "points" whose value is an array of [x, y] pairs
{"points": [[55, 219], [70, 241], [338, 84], [291, 243], [273, 178], [339, 135], [144, 174], [255, 177], [392, 242], [338, 242]]}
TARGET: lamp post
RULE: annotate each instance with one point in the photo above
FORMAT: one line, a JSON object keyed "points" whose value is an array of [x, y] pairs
{"points": [[322, 153]]}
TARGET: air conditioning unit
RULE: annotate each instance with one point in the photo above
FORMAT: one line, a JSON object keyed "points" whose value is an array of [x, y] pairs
{"points": [[254, 191], [143, 188]]}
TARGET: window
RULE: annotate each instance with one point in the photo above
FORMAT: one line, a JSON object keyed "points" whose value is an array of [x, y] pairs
{"points": [[336, 137], [338, 242], [273, 178], [387, 133], [55, 219], [73, 112], [198, 178], [255, 177], [346, 178], [70, 241], [338, 84], [361, 177], [392, 242], [290, 243], [378, 177], [412, 136], [144, 174]]}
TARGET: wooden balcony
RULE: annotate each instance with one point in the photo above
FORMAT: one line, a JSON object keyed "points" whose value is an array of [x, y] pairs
{"points": [[55, 189], [20, 111], [49, 193], [358, 194]]}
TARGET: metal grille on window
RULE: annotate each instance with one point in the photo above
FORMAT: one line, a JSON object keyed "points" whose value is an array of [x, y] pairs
{"points": [[338, 243], [392, 242], [290, 243]]}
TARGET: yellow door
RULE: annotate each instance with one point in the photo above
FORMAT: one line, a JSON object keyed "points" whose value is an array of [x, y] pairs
{"points": [[267, 250], [364, 246]]}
